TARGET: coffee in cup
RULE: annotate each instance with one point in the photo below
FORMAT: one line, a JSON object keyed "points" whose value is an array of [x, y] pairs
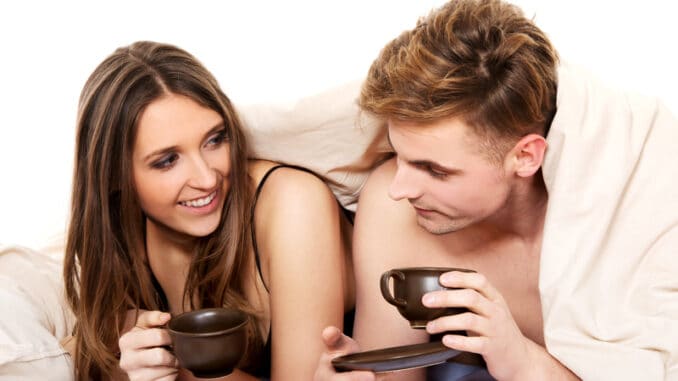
{"points": [[209, 342], [409, 286]]}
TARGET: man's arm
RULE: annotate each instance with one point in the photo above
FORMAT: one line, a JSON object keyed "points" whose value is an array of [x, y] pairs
{"points": [[382, 241]]}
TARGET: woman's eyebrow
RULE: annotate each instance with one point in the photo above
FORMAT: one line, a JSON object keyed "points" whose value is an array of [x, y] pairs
{"points": [[163, 150]]}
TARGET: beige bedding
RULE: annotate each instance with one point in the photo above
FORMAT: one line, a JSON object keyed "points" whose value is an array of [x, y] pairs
{"points": [[609, 264]]}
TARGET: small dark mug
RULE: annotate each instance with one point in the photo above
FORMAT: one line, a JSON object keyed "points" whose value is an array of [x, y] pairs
{"points": [[409, 286], [209, 342]]}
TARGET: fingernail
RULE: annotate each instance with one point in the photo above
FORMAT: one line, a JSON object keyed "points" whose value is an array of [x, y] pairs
{"points": [[428, 299], [449, 340], [447, 277], [430, 326]]}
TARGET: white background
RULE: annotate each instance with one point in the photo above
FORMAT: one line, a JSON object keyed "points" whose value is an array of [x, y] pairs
{"points": [[260, 51]]}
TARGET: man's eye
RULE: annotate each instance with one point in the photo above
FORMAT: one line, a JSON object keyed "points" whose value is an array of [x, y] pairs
{"points": [[165, 162], [434, 173]]}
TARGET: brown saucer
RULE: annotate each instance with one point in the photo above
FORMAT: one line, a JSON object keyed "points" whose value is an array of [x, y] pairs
{"points": [[395, 358]]}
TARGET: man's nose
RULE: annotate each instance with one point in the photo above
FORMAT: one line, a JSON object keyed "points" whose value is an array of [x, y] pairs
{"points": [[405, 184]]}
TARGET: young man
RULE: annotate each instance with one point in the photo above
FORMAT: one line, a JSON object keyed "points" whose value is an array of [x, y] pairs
{"points": [[572, 238]]}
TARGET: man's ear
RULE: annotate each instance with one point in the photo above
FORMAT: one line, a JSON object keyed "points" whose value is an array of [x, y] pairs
{"points": [[527, 155]]}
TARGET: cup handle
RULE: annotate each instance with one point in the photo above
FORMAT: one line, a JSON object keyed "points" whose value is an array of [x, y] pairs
{"points": [[385, 277]]}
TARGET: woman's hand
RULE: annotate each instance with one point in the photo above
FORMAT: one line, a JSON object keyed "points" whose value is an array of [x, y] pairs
{"points": [[143, 355], [492, 331]]}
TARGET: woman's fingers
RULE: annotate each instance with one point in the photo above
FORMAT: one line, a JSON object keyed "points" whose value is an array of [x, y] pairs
{"points": [[144, 338], [149, 319], [153, 373], [158, 357], [142, 348], [151, 357]]}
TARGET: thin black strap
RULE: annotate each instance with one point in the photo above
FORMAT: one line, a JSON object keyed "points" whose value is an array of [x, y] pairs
{"points": [[347, 213], [254, 204]]}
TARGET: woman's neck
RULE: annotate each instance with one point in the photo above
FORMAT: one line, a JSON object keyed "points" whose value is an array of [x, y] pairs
{"points": [[169, 256]]}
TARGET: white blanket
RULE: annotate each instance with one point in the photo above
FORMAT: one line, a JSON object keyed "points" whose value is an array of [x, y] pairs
{"points": [[34, 316], [609, 263], [323, 132]]}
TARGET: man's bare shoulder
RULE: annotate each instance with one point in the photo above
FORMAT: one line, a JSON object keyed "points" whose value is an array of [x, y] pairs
{"points": [[374, 196], [383, 225], [386, 236]]}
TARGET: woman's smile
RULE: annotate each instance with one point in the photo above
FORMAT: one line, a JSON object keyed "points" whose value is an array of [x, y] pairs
{"points": [[202, 205]]}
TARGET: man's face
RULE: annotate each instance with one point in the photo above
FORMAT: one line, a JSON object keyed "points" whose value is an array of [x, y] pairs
{"points": [[445, 177]]}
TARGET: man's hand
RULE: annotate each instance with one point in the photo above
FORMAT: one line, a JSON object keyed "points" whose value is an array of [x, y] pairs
{"points": [[337, 344], [493, 332], [142, 352]]}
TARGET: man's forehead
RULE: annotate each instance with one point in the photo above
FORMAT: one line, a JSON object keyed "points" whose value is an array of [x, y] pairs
{"points": [[447, 131]]}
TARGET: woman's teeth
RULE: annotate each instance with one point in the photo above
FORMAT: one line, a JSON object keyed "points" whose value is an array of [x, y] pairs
{"points": [[199, 202]]}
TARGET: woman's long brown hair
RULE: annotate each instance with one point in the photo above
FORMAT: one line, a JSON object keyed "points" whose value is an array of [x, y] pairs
{"points": [[106, 270]]}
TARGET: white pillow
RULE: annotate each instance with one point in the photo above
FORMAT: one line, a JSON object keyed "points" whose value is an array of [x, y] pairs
{"points": [[34, 316], [325, 133]]}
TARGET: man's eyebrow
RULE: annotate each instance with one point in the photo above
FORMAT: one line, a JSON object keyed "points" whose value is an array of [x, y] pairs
{"points": [[427, 163], [435, 166]]}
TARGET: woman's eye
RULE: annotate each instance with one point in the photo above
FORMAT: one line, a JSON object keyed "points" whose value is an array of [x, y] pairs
{"points": [[217, 138], [166, 161]]}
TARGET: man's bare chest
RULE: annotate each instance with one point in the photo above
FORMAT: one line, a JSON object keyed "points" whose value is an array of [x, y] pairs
{"points": [[514, 273]]}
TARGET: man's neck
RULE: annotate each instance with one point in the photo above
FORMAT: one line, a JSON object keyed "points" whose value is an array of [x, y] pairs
{"points": [[521, 218]]}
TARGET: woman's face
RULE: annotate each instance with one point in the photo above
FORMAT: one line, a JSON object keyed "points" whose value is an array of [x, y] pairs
{"points": [[181, 164]]}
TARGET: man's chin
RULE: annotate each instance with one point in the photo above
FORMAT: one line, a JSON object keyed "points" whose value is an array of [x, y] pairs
{"points": [[437, 228]]}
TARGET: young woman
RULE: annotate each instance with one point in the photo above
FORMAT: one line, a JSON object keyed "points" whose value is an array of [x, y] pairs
{"points": [[169, 215]]}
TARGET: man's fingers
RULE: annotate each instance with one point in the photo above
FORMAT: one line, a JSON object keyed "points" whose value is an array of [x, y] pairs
{"points": [[337, 342], [354, 376], [473, 280], [331, 336]]}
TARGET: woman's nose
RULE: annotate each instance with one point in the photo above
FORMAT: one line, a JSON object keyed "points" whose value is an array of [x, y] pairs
{"points": [[203, 176]]}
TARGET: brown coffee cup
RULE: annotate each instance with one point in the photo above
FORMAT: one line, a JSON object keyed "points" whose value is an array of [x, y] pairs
{"points": [[209, 342], [409, 286]]}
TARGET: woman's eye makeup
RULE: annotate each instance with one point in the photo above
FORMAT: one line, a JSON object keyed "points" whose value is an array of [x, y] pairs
{"points": [[166, 161], [217, 138]]}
